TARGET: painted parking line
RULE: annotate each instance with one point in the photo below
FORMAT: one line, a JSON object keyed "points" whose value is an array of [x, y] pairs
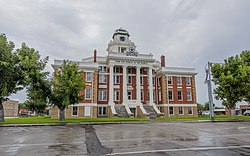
{"points": [[182, 149]]}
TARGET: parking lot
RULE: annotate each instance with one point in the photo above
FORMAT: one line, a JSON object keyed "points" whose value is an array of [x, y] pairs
{"points": [[158, 138]]}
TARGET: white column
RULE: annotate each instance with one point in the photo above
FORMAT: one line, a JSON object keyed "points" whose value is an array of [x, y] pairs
{"points": [[124, 88], [138, 85], [111, 84], [151, 101]]}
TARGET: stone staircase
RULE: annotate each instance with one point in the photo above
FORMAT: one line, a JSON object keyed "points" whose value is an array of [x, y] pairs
{"points": [[121, 111], [150, 110]]}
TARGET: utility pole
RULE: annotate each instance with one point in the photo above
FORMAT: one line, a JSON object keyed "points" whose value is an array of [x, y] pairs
{"points": [[210, 93]]}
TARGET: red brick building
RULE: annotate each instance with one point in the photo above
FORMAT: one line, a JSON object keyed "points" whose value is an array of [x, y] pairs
{"points": [[126, 83]]}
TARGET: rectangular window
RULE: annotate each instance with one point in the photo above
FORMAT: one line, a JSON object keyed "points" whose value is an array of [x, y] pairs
{"points": [[158, 81], [141, 71], [189, 95], [179, 80], [188, 81], [170, 80], [129, 71], [116, 95], [102, 95], [87, 111], [87, 93], [88, 76], [129, 79], [190, 110], [141, 79], [153, 95], [102, 111], [142, 95], [153, 80], [74, 111], [102, 78], [102, 69], [129, 95], [181, 110], [171, 110], [170, 95], [117, 69], [116, 79], [179, 95]]}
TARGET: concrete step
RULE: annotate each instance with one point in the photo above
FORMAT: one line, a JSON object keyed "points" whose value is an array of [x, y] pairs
{"points": [[150, 110], [121, 111]]}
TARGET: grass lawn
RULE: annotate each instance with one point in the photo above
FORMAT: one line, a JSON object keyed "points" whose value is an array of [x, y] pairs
{"points": [[207, 117], [42, 119]]}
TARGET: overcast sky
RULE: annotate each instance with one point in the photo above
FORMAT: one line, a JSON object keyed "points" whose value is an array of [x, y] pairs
{"points": [[188, 32]]}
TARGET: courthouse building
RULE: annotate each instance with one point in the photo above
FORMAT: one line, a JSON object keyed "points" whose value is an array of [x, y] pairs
{"points": [[127, 83]]}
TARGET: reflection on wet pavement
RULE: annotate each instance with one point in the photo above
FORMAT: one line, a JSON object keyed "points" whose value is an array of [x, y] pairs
{"points": [[128, 139]]}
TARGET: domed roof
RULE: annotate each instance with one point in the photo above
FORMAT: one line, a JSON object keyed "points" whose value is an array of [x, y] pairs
{"points": [[121, 31]]}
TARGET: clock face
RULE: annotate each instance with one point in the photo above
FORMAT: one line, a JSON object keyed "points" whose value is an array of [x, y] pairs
{"points": [[131, 49], [122, 38]]}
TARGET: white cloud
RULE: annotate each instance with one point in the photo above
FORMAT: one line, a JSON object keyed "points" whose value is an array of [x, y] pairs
{"points": [[188, 32]]}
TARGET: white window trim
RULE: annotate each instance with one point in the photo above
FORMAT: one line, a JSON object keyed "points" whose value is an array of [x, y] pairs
{"points": [[102, 110], [180, 80], [102, 95], [90, 77], [170, 78], [117, 70], [130, 69], [115, 92], [76, 111], [101, 69], [190, 95], [181, 95], [192, 111], [172, 95], [142, 95], [141, 80], [130, 95], [102, 77], [130, 79], [169, 110], [188, 81], [115, 79], [179, 110], [86, 94]]}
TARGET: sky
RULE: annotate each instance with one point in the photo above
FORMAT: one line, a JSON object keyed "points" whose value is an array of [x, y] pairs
{"points": [[188, 32]]}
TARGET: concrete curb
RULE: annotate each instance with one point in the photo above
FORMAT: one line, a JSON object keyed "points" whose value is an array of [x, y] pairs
{"points": [[71, 124], [129, 122]]}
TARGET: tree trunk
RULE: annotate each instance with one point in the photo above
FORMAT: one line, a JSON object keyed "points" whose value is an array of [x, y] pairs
{"points": [[233, 113], [1, 112], [61, 114]]}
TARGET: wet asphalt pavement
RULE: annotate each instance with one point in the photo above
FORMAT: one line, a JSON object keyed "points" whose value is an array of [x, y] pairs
{"points": [[174, 139]]}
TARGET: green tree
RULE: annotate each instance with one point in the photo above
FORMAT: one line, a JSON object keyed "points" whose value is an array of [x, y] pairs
{"points": [[39, 85], [245, 56], [19, 68], [231, 81], [66, 87], [11, 77]]}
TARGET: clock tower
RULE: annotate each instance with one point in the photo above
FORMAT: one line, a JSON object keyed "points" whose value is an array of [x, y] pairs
{"points": [[120, 42]]}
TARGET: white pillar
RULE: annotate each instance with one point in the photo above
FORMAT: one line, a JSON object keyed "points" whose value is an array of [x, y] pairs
{"points": [[124, 88], [151, 101], [111, 84], [138, 85]]}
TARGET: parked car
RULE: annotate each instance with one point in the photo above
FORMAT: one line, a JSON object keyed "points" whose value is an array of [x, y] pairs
{"points": [[206, 113], [247, 113]]}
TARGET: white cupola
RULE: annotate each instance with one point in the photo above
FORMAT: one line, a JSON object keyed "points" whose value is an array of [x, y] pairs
{"points": [[120, 42]]}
